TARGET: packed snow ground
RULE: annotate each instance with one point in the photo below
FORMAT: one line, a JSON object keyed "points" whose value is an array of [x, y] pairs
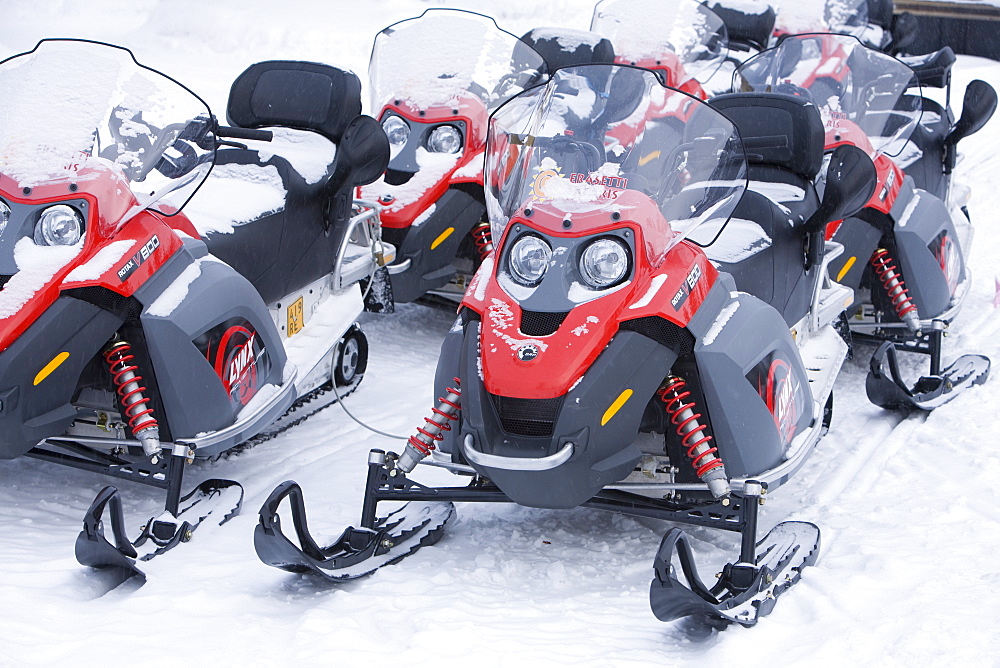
{"points": [[907, 575]]}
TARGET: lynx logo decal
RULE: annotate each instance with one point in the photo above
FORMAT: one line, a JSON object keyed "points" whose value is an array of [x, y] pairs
{"points": [[238, 357], [138, 259], [776, 383]]}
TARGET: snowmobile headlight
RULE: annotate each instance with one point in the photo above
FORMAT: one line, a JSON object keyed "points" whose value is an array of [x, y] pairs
{"points": [[445, 139], [4, 215], [604, 262], [59, 225], [529, 259], [396, 129]]}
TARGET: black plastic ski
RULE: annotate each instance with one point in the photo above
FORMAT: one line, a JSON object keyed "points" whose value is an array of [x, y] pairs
{"points": [[159, 535], [744, 592], [886, 388], [357, 552]]}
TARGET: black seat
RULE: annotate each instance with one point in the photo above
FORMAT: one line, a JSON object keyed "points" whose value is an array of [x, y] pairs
{"points": [[283, 251], [783, 137]]}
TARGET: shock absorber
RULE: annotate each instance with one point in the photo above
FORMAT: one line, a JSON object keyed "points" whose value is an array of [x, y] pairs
{"points": [[421, 443], [896, 290], [681, 409], [483, 238], [134, 403]]}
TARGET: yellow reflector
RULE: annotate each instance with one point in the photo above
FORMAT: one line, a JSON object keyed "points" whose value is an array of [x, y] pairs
{"points": [[847, 267], [51, 366], [616, 406], [440, 240], [644, 160]]}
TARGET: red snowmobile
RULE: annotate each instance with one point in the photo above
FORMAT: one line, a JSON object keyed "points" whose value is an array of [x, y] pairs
{"points": [[685, 41], [904, 253], [599, 358], [131, 342], [434, 109]]}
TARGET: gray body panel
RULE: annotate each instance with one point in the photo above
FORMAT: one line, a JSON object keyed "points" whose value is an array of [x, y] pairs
{"points": [[193, 397]]}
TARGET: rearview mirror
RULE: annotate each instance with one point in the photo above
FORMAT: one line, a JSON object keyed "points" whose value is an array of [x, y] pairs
{"points": [[850, 183]]}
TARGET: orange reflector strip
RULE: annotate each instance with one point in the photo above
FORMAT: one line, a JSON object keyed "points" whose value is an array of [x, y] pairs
{"points": [[616, 406], [847, 268], [51, 366], [444, 235]]}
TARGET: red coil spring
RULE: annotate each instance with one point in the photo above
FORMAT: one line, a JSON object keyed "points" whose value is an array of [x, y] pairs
{"points": [[118, 360], [675, 405], [892, 282], [446, 412], [483, 238]]}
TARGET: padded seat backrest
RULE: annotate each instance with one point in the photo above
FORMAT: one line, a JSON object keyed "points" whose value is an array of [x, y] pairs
{"points": [[589, 48], [777, 130], [306, 96]]}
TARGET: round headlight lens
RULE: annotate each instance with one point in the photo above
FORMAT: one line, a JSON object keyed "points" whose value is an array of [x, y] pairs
{"points": [[4, 215], [604, 262], [396, 129], [59, 225], [529, 259], [445, 139]]}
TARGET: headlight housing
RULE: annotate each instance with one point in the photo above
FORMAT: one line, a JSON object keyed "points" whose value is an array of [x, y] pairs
{"points": [[528, 259], [4, 215], [604, 262], [59, 225], [396, 129], [445, 139]]}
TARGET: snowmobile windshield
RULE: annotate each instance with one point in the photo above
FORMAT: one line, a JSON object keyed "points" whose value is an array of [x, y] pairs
{"points": [[596, 132], [446, 55], [855, 87], [650, 30], [71, 110], [799, 16]]}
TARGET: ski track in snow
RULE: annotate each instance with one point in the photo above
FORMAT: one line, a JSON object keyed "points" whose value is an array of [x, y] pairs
{"points": [[907, 570]]}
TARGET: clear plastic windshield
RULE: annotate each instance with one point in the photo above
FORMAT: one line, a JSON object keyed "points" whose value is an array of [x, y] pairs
{"points": [[70, 108], [854, 86], [595, 131], [444, 55], [799, 16], [641, 30]]}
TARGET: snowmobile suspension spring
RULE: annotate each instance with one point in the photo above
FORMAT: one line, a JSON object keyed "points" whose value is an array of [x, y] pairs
{"points": [[894, 287], [483, 238], [130, 391], [420, 444], [681, 410], [444, 413]]}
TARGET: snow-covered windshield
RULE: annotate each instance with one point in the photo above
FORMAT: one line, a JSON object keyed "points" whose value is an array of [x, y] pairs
{"points": [[799, 16], [442, 56], [649, 30], [596, 132], [69, 108], [854, 86]]}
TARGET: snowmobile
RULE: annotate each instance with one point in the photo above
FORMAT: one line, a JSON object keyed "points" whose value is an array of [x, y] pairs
{"points": [[132, 342], [685, 41], [600, 359], [434, 80], [905, 251]]}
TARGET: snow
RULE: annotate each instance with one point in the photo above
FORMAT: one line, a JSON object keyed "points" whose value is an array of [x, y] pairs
{"points": [[175, 293], [102, 261], [234, 195], [36, 265], [907, 570]]}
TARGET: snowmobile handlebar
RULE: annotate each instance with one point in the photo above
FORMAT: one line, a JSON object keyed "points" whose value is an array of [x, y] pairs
{"points": [[244, 133]]}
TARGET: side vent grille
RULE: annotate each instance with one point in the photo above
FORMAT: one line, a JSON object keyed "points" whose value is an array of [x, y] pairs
{"points": [[664, 332], [527, 417], [540, 323]]}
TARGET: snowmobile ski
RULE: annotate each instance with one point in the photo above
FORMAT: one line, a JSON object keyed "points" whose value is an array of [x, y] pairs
{"points": [[358, 552], [888, 390], [746, 591], [159, 534]]}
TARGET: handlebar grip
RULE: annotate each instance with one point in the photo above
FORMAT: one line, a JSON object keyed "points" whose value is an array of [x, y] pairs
{"points": [[244, 133]]}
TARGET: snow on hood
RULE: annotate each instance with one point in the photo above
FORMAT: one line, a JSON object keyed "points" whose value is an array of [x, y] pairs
{"points": [[36, 265], [102, 262], [433, 167]]}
